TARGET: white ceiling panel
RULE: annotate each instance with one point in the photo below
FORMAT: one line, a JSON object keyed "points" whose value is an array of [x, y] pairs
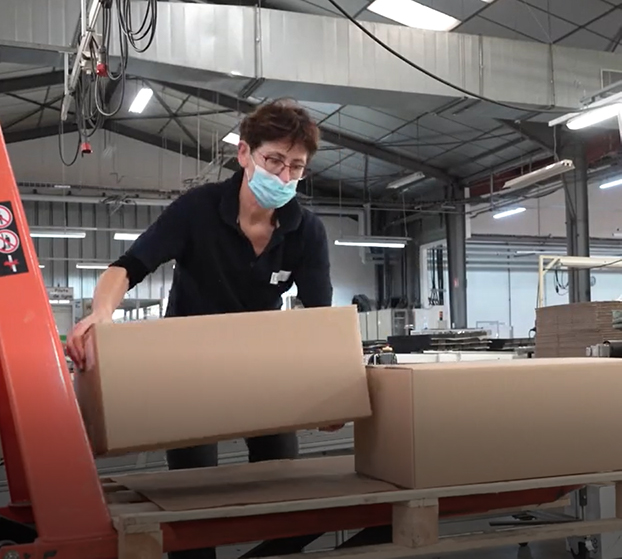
{"points": [[607, 26], [579, 12], [376, 118], [482, 26], [523, 18], [583, 39]]}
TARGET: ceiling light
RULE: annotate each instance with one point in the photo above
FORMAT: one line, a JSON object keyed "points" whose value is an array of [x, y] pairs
{"points": [[413, 14], [231, 138], [140, 101], [608, 101], [508, 213], [594, 116], [373, 242], [534, 177], [57, 234], [91, 266], [406, 181], [41, 266], [611, 184], [120, 236]]}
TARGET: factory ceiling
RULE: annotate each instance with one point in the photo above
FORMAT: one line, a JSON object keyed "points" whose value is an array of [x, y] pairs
{"points": [[497, 73]]}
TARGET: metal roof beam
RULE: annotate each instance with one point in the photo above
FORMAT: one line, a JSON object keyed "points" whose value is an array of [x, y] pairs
{"points": [[537, 132], [187, 150], [329, 135], [37, 133], [35, 81]]}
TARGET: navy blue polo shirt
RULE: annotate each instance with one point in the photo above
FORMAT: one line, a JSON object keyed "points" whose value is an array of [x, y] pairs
{"points": [[217, 270]]}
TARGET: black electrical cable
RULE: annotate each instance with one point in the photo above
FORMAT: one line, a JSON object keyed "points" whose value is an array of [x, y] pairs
{"points": [[438, 78], [90, 92]]}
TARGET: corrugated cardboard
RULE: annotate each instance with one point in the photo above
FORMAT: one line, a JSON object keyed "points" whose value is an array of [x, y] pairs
{"points": [[567, 330], [177, 382], [261, 482], [445, 424]]}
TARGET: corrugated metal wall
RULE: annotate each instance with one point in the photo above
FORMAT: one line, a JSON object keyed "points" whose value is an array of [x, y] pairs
{"points": [[60, 256]]}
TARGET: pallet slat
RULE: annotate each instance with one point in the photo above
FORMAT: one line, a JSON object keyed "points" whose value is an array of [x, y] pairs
{"points": [[142, 515]]}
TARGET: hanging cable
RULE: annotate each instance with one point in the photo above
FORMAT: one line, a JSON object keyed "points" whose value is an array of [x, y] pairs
{"points": [[453, 86], [98, 82]]}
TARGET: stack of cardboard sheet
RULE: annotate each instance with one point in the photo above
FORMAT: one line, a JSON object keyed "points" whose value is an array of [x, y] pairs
{"points": [[567, 330]]}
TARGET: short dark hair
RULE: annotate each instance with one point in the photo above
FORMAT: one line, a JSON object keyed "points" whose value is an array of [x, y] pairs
{"points": [[281, 120]]}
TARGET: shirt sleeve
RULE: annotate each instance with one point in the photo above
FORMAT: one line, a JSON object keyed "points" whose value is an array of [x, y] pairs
{"points": [[163, 241], [312, 278]]}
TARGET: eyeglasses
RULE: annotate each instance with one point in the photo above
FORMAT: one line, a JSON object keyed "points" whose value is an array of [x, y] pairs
{"points": [[276, 166]]}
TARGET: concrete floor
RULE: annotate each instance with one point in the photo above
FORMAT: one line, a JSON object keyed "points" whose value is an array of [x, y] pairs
{"points": [[540, 550]]}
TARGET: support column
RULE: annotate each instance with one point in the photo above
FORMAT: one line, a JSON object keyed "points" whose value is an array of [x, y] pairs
{"points": [[413, 269], [577, 219], [456, 258]]}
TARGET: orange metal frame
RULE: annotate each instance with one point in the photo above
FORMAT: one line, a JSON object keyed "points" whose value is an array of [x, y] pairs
{"points": [[52, 476]]}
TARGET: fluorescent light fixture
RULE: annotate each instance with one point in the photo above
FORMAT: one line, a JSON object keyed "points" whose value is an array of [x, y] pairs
{"points": [[413, 14], [508, 213], [57, 234], [231, 138], [120, 236], [614, 99], [550, 171], [91, 266], [42, 266], [141, 100], [373, 242], [406, 181], [611, 184], [594, 116]]}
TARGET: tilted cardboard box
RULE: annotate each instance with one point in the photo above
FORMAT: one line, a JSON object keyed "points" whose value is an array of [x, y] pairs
{"points": [[446, 424], [178, 382]]}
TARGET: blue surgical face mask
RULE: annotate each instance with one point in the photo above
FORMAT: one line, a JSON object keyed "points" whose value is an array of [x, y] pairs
{"points": [[269, 190]]}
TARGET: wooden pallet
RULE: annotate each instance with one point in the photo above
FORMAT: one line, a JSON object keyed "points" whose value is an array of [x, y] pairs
{"points": [[415, 517]]}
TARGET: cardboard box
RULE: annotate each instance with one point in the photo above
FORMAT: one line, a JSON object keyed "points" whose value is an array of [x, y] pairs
{"points": [[448, 424], [178, 382], [567, 330]]}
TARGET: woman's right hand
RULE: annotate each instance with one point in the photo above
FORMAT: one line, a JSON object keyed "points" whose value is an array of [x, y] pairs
{"points": [[75, 340]]}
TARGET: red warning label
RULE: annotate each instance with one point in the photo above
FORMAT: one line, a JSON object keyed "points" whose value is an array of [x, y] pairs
{"points": [[12, 258], [6, 217], [9, 242]]}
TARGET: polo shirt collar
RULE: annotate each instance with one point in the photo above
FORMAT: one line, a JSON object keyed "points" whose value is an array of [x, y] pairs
{"points": [[288, 217]]}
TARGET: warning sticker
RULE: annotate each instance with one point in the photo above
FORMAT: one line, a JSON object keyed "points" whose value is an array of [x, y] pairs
{"points": [[6, 217], [9, 242], [12, 259]]}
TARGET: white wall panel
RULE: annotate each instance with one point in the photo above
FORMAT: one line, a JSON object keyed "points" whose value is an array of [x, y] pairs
{"points": [[59, 256], [349, 274], [510, 296]]}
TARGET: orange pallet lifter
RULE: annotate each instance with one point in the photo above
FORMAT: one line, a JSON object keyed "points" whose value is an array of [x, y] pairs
{"points": [[59, 507], [50, 468]]}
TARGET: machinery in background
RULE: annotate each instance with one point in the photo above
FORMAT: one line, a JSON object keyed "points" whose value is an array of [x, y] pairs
{"points": [[597, 502], [384, 323], [130, 309], [63, 308], [409, 330]]}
